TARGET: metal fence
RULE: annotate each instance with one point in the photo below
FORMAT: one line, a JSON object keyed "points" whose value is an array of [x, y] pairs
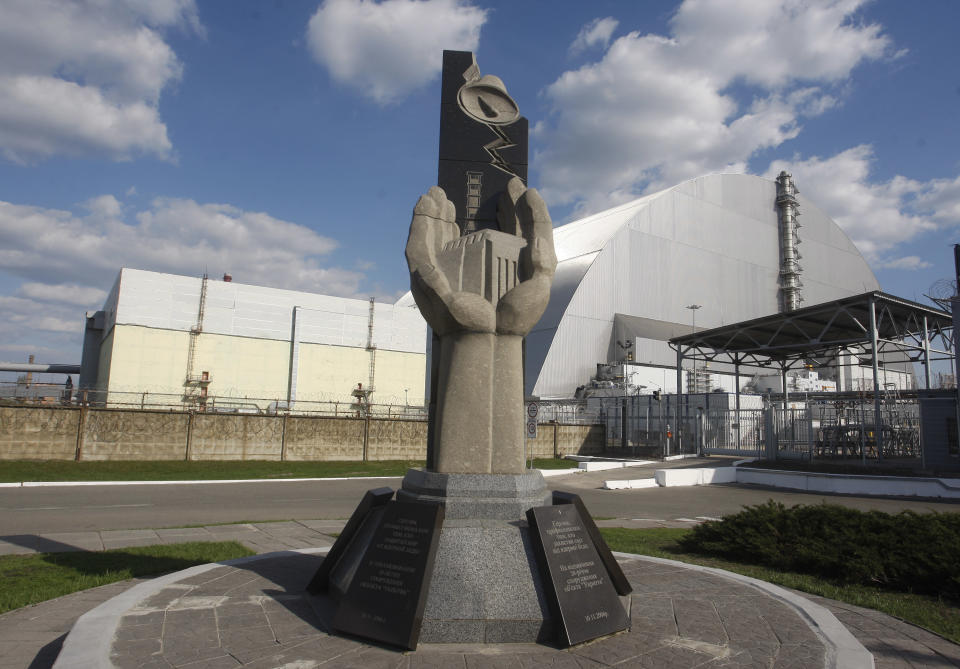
{"points": [[842, 430], [821, 430], [205, 404], [849, 430], [565, 412]]}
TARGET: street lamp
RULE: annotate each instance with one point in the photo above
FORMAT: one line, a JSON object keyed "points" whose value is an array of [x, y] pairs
{"points": [[693, 313]]}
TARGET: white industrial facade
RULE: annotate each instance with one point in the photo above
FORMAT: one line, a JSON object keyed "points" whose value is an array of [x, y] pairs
{"points": [[249, 342], [626, 278]]}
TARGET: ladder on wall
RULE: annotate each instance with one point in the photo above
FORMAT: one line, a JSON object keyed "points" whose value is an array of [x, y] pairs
{"points": [[195, 385]]}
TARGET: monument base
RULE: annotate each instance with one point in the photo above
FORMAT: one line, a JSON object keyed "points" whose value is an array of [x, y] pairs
{"points": [[486, 586], [477, 496]]}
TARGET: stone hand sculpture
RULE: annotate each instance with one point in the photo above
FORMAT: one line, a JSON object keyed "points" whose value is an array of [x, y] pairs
{"points": [[481, 293]]}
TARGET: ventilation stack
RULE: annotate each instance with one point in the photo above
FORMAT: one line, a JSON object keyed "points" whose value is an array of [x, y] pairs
{"points": [[790, 270]]}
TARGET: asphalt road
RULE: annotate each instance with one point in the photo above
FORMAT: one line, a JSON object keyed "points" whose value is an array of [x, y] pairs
{"points": [[79, 508]]}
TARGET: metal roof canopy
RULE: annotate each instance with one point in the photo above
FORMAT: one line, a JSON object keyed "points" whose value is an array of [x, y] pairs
{"points": [[874, 322], [820, 331]]}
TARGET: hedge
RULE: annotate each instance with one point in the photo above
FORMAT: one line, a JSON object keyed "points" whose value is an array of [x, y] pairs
{"points": [[907, 551]]}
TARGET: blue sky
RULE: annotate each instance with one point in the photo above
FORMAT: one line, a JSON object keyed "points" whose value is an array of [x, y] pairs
{"points": [[286, 142]]}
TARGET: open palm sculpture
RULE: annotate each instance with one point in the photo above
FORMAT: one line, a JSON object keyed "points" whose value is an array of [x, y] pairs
{"points": [[481, 293]]}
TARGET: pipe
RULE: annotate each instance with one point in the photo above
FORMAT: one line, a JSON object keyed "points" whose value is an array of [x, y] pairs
{"points": [[39, 367]]}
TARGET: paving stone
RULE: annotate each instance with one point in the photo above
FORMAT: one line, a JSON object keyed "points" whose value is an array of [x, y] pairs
{"points": [[185, 533], [699, 620], [125, 535], [280, 528], [210, 576], [238, 640], [142, 618], [222, 662], [232, 528], [477, 661], [134, 632], [137, 662], [437, 661], [182, 654], [557, 661], [258, 613], [370, 657], [140, 647], [164, 598], [243, 621], [87, 541], [670, 657], [619, 648]]}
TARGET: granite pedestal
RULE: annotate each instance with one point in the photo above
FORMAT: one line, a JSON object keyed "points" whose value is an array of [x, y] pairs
{"points": [[485, 586]]}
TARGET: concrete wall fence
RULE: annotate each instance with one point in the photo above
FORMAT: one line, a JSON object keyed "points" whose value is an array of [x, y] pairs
{"points": [[74, 433]]}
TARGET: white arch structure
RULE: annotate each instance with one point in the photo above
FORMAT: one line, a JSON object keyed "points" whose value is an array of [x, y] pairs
{"points": [[712, 241]]}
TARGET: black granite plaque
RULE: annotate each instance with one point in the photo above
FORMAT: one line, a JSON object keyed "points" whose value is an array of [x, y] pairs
{"points": [[387, 595], [483, 141], [617, 577], [583, 600], [371, 499]]}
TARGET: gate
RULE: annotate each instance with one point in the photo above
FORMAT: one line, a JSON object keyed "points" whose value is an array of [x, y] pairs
{"points": [[724, 434]]}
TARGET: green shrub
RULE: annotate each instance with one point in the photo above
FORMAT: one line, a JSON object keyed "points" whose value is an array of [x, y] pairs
{"points": [[908, 551]]}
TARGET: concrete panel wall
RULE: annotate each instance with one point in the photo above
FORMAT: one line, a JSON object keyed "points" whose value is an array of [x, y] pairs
{"points": [[580, 439], [566, 440], [236, 437], [139, 359], [323, 438], [128, 434], [397, 440], [28, 433], [134, 435]]}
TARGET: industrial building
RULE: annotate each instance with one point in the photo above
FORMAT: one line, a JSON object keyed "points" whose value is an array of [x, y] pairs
{"points": [[198, 338], [715, 250]]}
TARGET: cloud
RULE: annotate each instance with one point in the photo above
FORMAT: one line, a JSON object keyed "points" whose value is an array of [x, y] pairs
{"points": [[731, 79], [906, 262], [38, 321], [172, 235], [595, 33], [942, 199], [25, 313], [70, 293], [876, 216], [85, 77], [386, 49], [64, 261]]}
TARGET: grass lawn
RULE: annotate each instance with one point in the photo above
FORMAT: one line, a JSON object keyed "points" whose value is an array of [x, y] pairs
{"points": [[28, 579], [940, 616], [181, 470], [553, 463]]}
